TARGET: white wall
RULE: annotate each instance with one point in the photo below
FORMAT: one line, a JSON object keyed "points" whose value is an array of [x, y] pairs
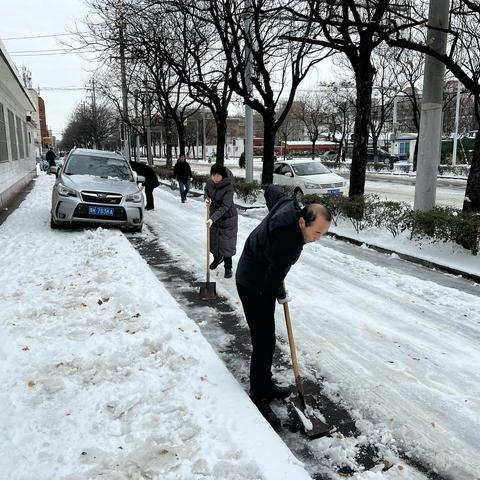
{"points": [[15, 172]]}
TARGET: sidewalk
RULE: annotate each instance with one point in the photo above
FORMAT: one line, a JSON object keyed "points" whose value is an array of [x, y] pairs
{"points": [[103, 374]]}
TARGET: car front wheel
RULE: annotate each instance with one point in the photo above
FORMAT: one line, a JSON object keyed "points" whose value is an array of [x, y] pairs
{"points": [[53, 225]]}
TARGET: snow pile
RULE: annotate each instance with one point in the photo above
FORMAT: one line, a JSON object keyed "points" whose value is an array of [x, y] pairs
{"points": [[104, 376]]}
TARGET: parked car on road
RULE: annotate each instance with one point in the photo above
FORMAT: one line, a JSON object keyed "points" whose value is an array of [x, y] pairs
{"points": [[381, 156], [97, 187], [308, 177], [329, 155]]}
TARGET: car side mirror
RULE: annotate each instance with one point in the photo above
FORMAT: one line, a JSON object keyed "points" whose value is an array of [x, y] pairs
{"points": [[288, 174], [140, 179], [54, 170]]}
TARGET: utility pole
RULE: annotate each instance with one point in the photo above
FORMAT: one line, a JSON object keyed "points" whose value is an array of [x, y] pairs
{"points": [[204, 146], [123, 74], [457, 121], [248, 110], [94, 114], [429, 147]]}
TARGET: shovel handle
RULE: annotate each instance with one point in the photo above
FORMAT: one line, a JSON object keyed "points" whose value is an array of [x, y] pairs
{"points": [[293, 353], [208, 244]]}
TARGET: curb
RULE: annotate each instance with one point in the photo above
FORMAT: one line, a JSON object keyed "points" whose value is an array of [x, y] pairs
{"points": [[410, 258]]}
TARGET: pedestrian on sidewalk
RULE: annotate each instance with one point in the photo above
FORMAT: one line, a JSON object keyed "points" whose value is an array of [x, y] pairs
{"points": [[151, 181], [223, 221], [50, 158], [269, 252], [183, 174]]}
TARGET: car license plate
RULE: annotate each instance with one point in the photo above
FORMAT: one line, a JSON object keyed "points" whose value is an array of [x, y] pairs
{"points": [[334, 191], [101, 211]]}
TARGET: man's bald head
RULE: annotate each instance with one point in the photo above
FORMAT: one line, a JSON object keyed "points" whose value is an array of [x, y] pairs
{"points": [[314, 221]]}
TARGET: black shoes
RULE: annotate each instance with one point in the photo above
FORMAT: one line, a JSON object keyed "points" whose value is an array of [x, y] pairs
{"points": [[149, 208], [264, 408], [216, 263], [278, 392], [228, 273]]}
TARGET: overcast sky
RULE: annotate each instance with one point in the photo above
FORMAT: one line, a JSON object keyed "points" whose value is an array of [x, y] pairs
{"points": [[34, 18], [27, 18]]}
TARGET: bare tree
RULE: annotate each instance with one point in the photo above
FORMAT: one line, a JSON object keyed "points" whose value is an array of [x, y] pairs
{"points": [[310, 110], [384, 96], [352, 29], [463, 61], [278, 66], [89, 127]]}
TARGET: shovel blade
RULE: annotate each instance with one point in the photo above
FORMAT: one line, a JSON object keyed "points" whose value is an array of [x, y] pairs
{"points": [[312, 426], [208, 290]]}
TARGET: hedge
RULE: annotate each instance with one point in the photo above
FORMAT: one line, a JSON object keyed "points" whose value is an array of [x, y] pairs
{"points": [[441, 224]]}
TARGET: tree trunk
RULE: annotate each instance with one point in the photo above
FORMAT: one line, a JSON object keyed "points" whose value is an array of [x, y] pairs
{"points": [[168, 135], [313, 139], [269, 134], [374, 147], [415, 155], [364, 82], [471, 202], [221, 124], [181, 136]]}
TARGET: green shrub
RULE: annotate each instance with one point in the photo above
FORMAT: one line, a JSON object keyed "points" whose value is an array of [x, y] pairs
{"points": [[247, 191], [165, 173]]}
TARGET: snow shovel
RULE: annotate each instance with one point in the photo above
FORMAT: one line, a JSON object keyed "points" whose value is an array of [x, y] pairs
{"points": [[208, 289], [312, 426]]}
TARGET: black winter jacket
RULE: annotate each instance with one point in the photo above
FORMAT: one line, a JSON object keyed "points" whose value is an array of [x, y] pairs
{"points": [[151, 179], [182, 171], [273, 247]]}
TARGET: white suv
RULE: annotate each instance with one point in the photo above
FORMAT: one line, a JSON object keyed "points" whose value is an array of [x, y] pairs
{"points": [[308, 177]]}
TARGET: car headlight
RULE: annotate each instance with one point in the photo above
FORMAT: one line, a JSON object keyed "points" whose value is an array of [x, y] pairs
{"points": [[65, 191], [311, 185], [134, 197]]}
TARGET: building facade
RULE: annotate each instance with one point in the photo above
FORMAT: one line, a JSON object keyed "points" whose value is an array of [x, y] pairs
{"points": [[17, 131]]}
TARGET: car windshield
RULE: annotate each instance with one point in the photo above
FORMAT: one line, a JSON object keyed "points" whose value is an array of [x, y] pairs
{"points": [[310, 168], [105, 167]]}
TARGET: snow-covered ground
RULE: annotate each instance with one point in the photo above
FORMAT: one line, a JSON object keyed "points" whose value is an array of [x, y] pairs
{"points": [[402, 351], [104, 376]]}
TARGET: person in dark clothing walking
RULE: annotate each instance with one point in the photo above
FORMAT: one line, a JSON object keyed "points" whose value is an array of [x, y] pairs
{"points": [[183, 174], [50, 158], [223, 221], [151, 181], [269, 252]]}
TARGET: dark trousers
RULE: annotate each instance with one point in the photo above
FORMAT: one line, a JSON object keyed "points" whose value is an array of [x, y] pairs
{"points": [[260, 314], [184, 187], [149, 196], [227, 261]]}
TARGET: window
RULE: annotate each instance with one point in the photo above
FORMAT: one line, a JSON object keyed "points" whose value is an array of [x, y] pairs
{"points": [[311, 168], [13, 135], [404, 148], [21, 142], [105, 167], [3, 136], [27, 140]]}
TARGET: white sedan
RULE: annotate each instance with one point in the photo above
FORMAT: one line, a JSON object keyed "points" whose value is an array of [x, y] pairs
{"points": [[308, 177]]}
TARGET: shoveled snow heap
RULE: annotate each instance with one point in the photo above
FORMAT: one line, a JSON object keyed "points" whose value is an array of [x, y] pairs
{"points": [[102, 374]]}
